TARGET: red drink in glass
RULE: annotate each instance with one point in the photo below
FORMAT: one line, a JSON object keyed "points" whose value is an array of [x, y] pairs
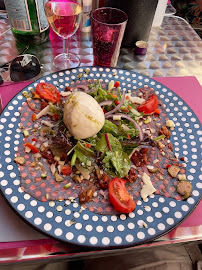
{"points": [[108, 25]]}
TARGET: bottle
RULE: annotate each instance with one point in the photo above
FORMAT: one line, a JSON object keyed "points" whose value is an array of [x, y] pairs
{"points": [[28, 21], [87, 8]]}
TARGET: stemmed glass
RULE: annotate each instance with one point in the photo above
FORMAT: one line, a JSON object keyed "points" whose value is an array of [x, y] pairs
{"points": [[64, 17]]}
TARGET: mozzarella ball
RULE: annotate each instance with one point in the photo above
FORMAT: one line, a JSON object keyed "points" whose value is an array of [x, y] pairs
{"points": [[83, 116]]}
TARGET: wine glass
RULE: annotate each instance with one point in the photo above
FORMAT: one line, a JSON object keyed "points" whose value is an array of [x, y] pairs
{"points": [[64, 17]]}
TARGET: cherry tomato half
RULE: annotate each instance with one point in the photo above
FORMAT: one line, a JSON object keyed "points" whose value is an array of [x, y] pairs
{"points": [[48, 92], [149, 105], [119, 196]]}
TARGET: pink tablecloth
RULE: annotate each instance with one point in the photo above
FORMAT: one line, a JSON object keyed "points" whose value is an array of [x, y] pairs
{"points": [[188, 88]]}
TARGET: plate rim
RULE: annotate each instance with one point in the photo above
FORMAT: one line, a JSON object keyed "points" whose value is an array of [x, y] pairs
{"points": [[90, 246]]}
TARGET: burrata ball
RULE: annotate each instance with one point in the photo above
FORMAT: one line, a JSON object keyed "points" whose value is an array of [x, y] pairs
{"points": [[83, 116]]}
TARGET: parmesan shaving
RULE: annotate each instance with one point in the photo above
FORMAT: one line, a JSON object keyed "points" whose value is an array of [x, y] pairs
{"points": [[43, 112], [147, 188]]}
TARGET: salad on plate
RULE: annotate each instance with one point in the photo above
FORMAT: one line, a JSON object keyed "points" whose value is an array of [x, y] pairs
{"points": [[94, 142]]}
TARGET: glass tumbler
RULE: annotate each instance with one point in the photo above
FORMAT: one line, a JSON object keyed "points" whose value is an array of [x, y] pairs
{"points": [[108, 26]]}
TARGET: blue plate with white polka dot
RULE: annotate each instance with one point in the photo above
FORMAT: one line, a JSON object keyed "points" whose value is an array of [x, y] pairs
{"points": [[150, 220]]}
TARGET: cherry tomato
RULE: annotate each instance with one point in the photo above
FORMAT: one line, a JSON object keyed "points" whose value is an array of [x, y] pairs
{"points": [[48, 92], [149, 105], [117, 84], [119, 196], [66, 169]]}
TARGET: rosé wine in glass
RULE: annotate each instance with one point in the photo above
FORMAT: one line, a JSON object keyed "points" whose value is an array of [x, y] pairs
{"points": [[64, 18]]}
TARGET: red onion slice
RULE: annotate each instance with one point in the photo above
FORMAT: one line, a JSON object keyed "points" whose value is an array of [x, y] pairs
{"points": [[82, 87], [141, 134], [106, 102], [118, 106]]}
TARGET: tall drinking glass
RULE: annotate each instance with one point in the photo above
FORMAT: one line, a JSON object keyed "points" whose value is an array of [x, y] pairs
{"points": [[108, 26], [64, 18]]}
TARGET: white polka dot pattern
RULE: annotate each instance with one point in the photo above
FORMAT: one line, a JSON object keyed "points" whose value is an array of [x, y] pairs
{"points": [[64, 220]]}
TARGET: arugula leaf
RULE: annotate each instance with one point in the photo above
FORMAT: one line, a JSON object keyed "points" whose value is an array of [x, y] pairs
{"points": [[102, 146], [109, 127], [115, 160], [82, 153]]}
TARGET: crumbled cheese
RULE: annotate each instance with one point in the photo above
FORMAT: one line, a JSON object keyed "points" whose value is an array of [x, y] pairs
{"points": [[37, 155], [156, 161], [135, 112], [81, 209], [71, 199], [43, 112], [65, 94], [115, 73], [88, 163], [110, 85], [27, 149], [186, 159], [61, 162], [136, 100], [47, 123], [69, 223], [176, 155], [26, 133], [87, 177], [142, 223], [170, 124], [125, 128], [182, 177], [53, 168], [56, 158], [45, 144], [147, 188], [160, 144], [95, 194], [145, 224], [116, 117]]}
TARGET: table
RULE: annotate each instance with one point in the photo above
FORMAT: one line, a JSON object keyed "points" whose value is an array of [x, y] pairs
{"points": [[175, 50]]}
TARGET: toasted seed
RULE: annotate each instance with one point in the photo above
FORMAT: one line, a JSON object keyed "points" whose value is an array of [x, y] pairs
{"points": [[19, 160], [173, 170]]}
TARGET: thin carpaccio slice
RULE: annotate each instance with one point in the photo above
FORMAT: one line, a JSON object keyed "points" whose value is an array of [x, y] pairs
{"points": [[48, 189]]}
